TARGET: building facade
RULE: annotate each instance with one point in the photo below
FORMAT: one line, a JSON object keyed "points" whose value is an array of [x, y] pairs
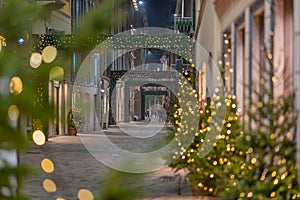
{"points": [[243, 36]]}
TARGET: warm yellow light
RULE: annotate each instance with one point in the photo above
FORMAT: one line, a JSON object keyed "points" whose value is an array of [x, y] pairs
{"points": [[56, 73], [16, 85], [250, 194], [270, 56], [84, 194], [13, 113], [49, 185], [253, 161], [38, 137], [273, 194], [47, 165], [49, 53], [2, 42], [35, 60]]}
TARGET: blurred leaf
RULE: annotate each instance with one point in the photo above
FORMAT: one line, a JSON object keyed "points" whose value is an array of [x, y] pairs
{"points": [[47, 9], [117, 187]]}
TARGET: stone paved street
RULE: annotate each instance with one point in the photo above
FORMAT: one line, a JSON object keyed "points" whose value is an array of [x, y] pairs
{"points": [[76, 168]]}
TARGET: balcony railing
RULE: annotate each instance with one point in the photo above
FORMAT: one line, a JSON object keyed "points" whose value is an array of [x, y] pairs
{"points": [[183, 25]]}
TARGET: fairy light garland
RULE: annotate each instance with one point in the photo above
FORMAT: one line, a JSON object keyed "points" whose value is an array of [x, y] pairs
{"points": [[179, 42]]}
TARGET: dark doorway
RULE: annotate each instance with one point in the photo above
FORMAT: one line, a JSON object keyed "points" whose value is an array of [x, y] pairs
{"points": [[152, 95]]}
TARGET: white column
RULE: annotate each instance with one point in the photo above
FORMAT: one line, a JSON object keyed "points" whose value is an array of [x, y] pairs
{"points": [[118, 105], [60, 107], [182, 8], [297, 74], [65, 101], [233, 59], [268, 40], [248, 61], [51, 128]]}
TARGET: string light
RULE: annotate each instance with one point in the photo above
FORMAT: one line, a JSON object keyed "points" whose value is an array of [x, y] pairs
{"points": [[178, 41]]}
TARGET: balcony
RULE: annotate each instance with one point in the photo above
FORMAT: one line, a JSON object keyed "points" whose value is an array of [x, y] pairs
{"points": [[183, 25]]}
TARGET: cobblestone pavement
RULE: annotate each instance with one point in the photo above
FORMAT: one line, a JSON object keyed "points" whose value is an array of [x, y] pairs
{"points": [[76, 168]]}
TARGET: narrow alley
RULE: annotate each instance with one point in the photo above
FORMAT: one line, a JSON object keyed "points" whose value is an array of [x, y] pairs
{"points": [[76, 168]]}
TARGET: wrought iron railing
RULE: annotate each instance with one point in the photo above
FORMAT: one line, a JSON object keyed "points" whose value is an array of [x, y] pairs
{"points": [[183, 25]]}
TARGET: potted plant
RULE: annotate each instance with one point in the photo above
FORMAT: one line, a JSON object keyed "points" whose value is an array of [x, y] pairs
{"points": [[71, 124]]}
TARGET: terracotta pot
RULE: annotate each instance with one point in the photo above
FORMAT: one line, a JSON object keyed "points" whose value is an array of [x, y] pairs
{"points": [[72, 131]]}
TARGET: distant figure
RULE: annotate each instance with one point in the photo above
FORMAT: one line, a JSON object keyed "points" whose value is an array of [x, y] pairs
{"points": [[148, 114]]}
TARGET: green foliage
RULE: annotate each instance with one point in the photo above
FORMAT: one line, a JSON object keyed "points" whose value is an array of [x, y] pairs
{"points": [[71, 122], [270, 171], [9, 180], [14, 63], [16, 21], [116, 187], [211, 160], [257, 163], [78, 109]]}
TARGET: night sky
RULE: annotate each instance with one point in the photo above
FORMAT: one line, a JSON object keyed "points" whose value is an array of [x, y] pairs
{"points": [[160, 12]]}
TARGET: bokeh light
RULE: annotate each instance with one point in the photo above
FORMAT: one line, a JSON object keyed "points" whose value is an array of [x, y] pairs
{"points": [[49, 54], [35, 60], [56, 73], [21, 41], [38, 137], [49, 185], [2, 42], [84, 194], [47, 165], [13, 113], [16, 85]]}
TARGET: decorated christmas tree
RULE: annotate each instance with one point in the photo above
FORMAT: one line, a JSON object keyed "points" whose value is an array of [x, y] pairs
{"points": [[212, 146], [269, 170]]}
